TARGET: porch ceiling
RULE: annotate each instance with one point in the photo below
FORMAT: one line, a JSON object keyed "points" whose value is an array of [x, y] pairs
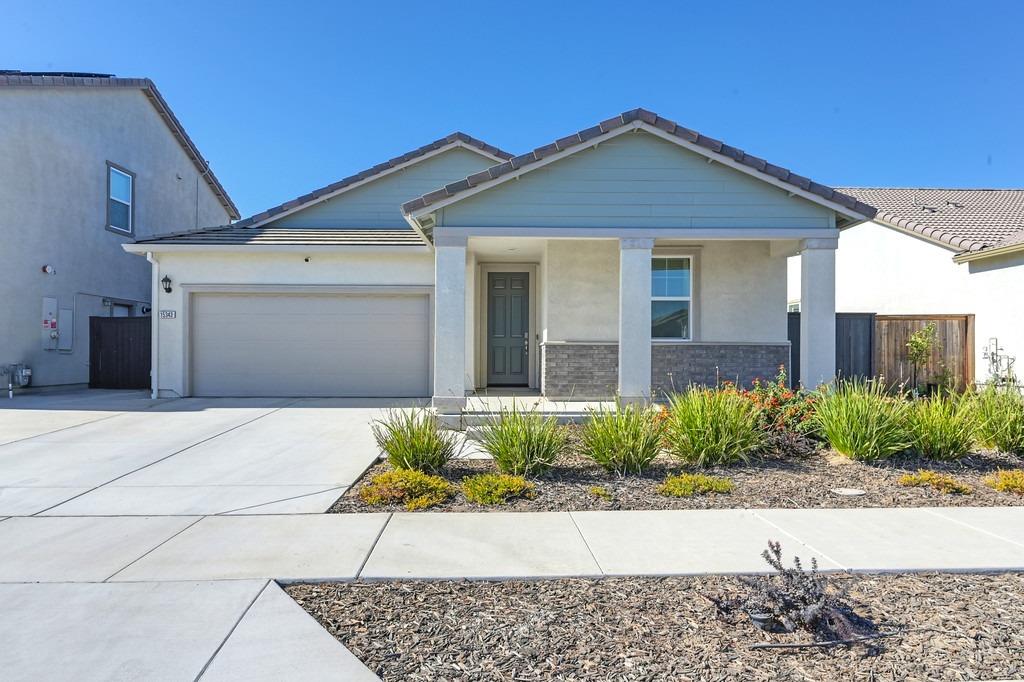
{"points": [[506, 248]]}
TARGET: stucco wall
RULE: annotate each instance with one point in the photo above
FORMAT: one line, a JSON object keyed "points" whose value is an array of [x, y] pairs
{"points": [[740, 290], [253, 267], [53, 195], [881, 270]]}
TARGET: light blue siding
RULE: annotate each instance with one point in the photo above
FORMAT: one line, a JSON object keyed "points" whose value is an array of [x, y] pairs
{"points": [[636, 180], [378, 204]]}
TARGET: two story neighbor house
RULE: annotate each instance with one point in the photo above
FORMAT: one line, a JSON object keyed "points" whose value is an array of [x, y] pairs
{"points": [[623, 259], [89, 162]]}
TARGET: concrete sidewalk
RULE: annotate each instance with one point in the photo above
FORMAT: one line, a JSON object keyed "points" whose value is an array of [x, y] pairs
{"points": [[500, 545]]}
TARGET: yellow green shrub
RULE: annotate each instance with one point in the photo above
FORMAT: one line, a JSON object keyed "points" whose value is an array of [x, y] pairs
{"points": [[409, 487], [1006, 481], [942, 482], [688, 485], [497, 488]]}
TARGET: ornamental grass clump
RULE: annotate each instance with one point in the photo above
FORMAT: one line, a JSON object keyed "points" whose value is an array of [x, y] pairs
{"points": [[414, 489], [1006, 481], [497, 488], [414, 439], [860, 420], [1000, 418], [688, 485], [523, 443], [708, 427], [625, 440], [942, 427], [944, 483]]}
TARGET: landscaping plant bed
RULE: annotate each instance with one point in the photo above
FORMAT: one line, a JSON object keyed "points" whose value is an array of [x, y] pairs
{"points": [[952, 627], [796, 475]]}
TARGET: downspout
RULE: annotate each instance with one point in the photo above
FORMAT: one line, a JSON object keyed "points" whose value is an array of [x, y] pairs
{"points": [[154, 314]]}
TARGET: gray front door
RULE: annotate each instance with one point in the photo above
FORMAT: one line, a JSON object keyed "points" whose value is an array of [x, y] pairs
{"points": [[508, 328]]}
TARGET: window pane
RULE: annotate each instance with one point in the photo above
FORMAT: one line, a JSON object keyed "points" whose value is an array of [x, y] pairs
{"points": [[670, 277], [120, 215], [670, 319], [120, 186]]}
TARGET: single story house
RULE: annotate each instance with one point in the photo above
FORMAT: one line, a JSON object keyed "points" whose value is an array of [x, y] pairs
{"points": [[623, 259], [938, 252]]}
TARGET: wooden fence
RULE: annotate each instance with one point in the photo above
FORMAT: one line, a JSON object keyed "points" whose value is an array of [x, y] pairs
{"points": [[119, 352], [952, 360]]}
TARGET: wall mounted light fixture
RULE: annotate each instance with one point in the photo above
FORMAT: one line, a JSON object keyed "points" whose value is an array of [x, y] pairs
{"points": [[166, 281]]}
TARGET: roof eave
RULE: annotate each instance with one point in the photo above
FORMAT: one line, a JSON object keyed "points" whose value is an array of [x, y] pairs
{"points": [[143, 248], [968, 256]]}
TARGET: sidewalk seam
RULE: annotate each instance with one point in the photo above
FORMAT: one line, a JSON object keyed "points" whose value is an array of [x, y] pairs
{"points": [[366, 558], [586, 544], [166, 457], [805, 544], [342, 488], [151, 549], [931, 511], [231, 631]]}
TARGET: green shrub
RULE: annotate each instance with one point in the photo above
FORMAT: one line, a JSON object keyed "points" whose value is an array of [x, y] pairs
{"points": [[601, 492], [523, 443], [941, 482], [707, 427], [860, 420], [942, 427], [625, 440], [1006, 481], [1000, 418], [688, 485], [497, 488], [414, 489], [413, 439]]}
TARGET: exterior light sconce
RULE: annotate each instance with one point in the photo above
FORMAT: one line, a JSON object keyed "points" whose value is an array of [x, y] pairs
{"points": [[166, 281]]}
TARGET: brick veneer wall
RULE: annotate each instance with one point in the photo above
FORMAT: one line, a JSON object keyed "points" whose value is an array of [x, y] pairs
{"points": [[590, 370]]}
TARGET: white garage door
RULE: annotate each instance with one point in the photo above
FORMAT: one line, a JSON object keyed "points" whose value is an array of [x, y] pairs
{"points": [[309, 345]]}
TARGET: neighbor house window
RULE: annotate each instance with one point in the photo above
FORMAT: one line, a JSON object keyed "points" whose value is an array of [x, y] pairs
{"points": [[671, 290], [120, 199]]}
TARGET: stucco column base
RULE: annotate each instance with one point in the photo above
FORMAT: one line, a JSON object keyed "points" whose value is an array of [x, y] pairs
{"points": [[635, 318], [448, 404], [817, 312], [638, 400]]}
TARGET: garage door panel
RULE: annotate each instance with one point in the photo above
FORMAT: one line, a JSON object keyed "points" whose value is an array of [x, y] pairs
{"points": [[310, 345]]}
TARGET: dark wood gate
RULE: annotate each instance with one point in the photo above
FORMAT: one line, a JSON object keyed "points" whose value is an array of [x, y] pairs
{"points": [[855, 345], [119, 352]]}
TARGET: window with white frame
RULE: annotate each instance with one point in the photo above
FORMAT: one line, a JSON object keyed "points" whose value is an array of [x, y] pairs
{"points": [[120, 197], [671, 291]]}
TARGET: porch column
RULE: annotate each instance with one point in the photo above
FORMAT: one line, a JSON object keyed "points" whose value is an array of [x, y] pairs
{"points": [[449, 324], [635, 319], [817, 312]]}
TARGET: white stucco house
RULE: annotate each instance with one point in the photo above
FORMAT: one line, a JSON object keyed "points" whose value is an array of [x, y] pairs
{"points": [[938, 251], [621, 259], [89, 162]]}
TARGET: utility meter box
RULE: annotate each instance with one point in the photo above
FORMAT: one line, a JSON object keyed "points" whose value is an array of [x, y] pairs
{"points": [[49, 333]]}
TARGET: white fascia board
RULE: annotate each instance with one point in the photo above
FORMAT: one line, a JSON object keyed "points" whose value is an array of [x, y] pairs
{"points": [[968, 256], [378, 176], [658, 132], [731, 233], [142, 249]]}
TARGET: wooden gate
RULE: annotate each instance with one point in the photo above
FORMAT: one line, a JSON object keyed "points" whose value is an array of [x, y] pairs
{"points": [[952, 359], [119, 352], [855, 345]]}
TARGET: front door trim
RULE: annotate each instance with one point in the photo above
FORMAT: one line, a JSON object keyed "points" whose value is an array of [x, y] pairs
{"points": [[480, 326]]}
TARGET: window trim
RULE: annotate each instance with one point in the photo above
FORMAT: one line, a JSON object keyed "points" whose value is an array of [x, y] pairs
{"points": [[131, 207], [692, 255]]}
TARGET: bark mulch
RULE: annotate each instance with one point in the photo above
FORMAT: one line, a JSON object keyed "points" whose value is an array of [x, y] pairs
{"points": [[795, 474], [955, 627]]}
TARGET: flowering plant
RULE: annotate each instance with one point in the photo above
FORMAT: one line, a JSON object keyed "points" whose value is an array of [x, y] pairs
{"points": [[781, 408]]}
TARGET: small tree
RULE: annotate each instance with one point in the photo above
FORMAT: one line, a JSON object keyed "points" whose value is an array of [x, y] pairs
{"points": [[919, 349]]}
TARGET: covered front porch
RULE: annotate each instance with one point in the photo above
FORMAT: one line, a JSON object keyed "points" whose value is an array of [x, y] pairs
{"points": [[559, 323]]}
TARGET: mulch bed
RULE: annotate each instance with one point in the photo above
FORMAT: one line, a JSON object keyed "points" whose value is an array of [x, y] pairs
{"points": [[956, 627], [796, 474]]}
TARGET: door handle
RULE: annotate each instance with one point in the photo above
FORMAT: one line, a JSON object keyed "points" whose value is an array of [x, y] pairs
{"points": [[526, 344]]}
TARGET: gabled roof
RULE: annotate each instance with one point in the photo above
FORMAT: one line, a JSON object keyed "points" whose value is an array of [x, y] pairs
{"points": [[233, 235], [456, 139], [641, 118], [970, 220], [11, 78]]}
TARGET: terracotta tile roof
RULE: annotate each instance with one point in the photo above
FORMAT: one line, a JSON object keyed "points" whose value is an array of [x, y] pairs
{"points": [[628, 118], [376, 170], [233, 235], [80, 80], [968, 219]]}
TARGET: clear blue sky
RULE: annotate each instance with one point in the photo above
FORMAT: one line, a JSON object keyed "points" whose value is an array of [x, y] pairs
{"points": [[284, 98]]}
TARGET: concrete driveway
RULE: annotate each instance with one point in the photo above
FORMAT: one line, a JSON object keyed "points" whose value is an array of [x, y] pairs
{"points": [[116, 453]]}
